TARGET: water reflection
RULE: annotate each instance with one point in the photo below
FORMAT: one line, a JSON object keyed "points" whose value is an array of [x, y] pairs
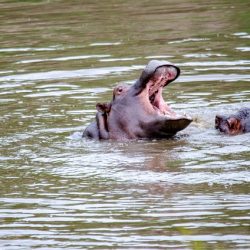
{"points": [[61, 191]]}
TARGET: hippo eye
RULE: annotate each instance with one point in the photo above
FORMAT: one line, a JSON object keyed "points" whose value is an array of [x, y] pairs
{"points": [[119, 90]]}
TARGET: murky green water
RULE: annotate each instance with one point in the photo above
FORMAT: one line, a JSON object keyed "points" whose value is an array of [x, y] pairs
{"points": [[58, 191]]}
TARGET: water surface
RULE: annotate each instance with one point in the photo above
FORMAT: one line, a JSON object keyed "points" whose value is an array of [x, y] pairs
{"points": [[57, 60]]}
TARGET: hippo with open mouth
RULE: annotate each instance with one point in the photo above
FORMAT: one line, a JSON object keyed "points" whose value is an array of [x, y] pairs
{"points": [[139, 111]]}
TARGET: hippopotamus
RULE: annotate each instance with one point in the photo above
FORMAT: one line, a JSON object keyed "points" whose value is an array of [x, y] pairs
{"points": [[234, 124], [139, 111]]}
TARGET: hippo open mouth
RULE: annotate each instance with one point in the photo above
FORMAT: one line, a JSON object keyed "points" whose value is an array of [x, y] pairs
{"points": [[160, 79], [139, 111]]}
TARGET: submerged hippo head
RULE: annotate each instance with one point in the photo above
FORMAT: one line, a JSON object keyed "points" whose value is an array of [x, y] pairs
{"points": [[234, 124], [139, 111]]}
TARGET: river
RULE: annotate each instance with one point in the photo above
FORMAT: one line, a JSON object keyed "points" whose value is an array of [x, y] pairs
{"points": [[59, 191]]}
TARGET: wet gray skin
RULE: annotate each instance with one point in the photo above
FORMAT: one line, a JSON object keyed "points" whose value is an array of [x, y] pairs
{"points": [[140, 111]]}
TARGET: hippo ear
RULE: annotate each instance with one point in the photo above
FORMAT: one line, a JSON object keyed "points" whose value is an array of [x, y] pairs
{"points": [[103, 107]]}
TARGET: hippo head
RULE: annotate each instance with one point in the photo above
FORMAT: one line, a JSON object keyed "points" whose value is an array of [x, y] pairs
{"points": [[139, 111], [234, 124]]}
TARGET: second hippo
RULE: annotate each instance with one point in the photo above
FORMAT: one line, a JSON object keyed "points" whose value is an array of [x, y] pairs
{"points": [[234, 124]]}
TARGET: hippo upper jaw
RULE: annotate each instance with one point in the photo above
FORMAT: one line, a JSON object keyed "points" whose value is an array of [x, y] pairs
{"points": [[153, 90]]}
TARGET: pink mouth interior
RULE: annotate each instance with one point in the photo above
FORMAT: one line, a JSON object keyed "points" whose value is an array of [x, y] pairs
{"points": [[156, 84]]}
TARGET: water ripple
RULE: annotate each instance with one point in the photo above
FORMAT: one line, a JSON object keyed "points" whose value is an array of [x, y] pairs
{"points": [[186, 40], [68, 58], [64, 74]]}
